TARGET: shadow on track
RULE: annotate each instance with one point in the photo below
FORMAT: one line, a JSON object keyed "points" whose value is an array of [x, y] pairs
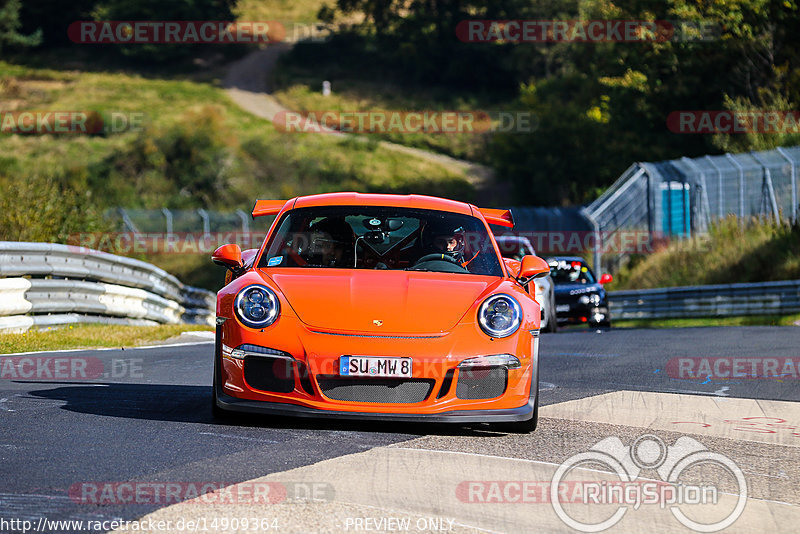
{"points": [[191, 404]]}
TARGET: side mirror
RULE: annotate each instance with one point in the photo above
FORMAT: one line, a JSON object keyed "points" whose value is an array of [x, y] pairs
{"points": [[513, 266], [532, 267], [249, 257], [229, 256], [606, 278]]}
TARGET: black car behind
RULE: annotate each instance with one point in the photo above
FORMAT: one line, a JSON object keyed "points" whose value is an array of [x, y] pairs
{"points": [[580, 296]]}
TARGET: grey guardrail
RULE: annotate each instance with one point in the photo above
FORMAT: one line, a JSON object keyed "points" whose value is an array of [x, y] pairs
{"points": [[723, 300], [80, 285]]}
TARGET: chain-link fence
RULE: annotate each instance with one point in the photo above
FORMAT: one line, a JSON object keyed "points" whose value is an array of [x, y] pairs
{"points": [[203, 229], [680, 198], [169, 221]]}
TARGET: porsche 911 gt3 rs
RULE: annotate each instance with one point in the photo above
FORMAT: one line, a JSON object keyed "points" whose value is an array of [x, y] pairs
{"points": [[366, 306]]}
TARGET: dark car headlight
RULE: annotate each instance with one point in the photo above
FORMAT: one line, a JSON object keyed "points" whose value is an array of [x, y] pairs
{"points": [[500, 315], [593, 299], [257, 306]]}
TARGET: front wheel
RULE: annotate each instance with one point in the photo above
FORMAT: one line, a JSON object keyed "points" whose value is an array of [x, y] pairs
{"points": [[523, 427], [552, 320], [216, 411]]}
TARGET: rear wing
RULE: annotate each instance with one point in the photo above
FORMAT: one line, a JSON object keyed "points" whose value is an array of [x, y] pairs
{"points": [[498, 217], [268, 207]]}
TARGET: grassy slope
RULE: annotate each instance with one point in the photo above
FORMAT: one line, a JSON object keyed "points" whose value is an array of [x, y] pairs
{"points": [[266, 163], [300, 90], [757, 252], [298, 82], [331, 161]]}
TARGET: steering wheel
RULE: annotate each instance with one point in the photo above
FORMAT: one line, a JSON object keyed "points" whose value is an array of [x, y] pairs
{"points": [[437, 257]]}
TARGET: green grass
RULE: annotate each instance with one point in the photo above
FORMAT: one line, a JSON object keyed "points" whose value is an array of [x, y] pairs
{"points": [[731, 253], [748, 320], [91, 336]]}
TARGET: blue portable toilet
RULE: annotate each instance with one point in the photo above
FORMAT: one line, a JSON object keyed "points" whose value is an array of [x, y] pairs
{"points": [[675, 209]]}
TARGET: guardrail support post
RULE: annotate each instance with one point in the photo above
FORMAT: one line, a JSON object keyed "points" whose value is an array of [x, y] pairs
{"points": [[783, 153], [741, 187], [770, 190], [703, 192], [128, 222], [597, 254], [720, 210], [168, 217], [206, 222], [245, 226]]}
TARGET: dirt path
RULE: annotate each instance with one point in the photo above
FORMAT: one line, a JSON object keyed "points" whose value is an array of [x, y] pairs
{"points": [[248, 85]]}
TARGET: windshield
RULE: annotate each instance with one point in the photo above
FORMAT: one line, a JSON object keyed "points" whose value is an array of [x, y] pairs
{"points": [[570, 272], [392, 238]]}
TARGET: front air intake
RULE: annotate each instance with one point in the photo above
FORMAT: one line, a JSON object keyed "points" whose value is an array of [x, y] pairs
{"points": [[385, 390], [481, 383], [275, 375]]}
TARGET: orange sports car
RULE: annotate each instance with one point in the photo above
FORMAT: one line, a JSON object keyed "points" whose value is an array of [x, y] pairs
{"points": [[366, 306]]}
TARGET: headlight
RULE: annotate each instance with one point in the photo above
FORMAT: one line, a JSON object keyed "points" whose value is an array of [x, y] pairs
{"points": [[257, 306], [500, 316], [593, 299]]}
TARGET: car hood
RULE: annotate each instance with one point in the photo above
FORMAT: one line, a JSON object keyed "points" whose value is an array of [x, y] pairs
{"points": [[380, 301]]}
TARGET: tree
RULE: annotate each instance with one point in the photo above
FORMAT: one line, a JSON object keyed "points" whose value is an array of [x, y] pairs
{"points": [[10, 25]]}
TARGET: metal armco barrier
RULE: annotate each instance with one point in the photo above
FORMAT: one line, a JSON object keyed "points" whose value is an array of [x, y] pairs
{"points": [[66, 285], [726, 300]]}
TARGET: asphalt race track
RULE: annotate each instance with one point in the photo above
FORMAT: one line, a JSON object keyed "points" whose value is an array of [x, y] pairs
{"points": [[144, 419]]}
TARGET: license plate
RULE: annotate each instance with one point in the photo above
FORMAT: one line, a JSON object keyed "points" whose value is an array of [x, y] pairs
{"points": [[372, 366], [562, 308]]}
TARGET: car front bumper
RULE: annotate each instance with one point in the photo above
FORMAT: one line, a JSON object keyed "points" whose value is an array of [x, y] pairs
{"points": [[309, 386], [523, 413]]}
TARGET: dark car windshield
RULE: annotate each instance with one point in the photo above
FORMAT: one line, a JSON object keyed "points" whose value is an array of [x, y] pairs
{"points": [[366, 237], [571, 272]]}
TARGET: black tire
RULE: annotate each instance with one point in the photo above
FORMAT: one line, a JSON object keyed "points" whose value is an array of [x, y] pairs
{"points": [[216, 411], [523, 427], [552, 320]]}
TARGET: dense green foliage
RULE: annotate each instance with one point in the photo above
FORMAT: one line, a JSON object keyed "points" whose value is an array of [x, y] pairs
{"points": [[10, 25], [601, 106]]}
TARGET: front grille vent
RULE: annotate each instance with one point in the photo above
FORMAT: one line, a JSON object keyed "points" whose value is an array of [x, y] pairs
{"points": [[387, 390]]}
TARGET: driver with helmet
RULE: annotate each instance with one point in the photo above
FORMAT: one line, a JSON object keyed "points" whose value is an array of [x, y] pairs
{"points": [[331, 243], [446, 238]]}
